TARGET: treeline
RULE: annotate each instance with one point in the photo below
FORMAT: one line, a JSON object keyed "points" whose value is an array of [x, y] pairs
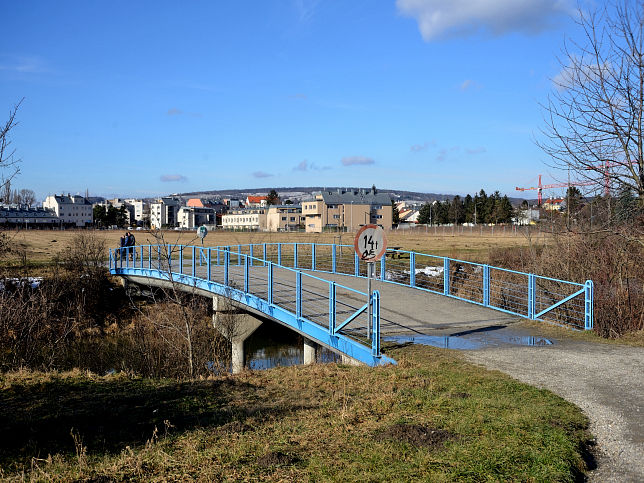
{"points": [[110, 216], [479, 208]]}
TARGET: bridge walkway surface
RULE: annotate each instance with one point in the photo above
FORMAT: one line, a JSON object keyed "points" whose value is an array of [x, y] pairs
{"points": [[319, 290]]}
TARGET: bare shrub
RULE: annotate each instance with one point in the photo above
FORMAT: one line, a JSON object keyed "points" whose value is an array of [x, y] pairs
{"points": [[611, 259]]}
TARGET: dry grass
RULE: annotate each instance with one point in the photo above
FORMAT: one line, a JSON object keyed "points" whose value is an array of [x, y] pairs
{"points": [[431, 418], [41, 246]]}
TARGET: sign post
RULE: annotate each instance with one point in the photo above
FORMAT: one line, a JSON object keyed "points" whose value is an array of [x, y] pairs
{"points": [[202, 231], [370, 245]]}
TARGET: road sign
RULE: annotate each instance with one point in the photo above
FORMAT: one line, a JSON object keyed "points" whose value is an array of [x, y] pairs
{"points": [[370, 243], [202, 231]]}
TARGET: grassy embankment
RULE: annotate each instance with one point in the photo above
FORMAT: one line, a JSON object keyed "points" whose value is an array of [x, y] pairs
{"points": [[432, 417]]}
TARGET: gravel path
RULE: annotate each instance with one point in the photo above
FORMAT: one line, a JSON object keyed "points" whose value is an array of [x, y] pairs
{"points": [[605, 381]]}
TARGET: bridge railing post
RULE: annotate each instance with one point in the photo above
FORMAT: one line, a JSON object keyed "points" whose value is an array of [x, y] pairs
{"points": [[332, 308], [279, 253], [180, 259], [294, 255], [246, 269], [486, 285], [356, 265], [334, 261], [149, 257], [298, 295], [264, 264], [445, 276], [412, 269], [312, 256], [588, 305], [270, 283], [383, 268], [208, 270], [226, 263], [375, 324], [531, 295], [238, 254], [251, 254], [110, 260], [194, 259]]}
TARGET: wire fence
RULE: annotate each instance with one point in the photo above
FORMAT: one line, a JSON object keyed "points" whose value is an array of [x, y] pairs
{"points": [[524, 294]]}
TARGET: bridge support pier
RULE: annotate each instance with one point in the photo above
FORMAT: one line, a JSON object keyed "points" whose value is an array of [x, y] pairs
{"points": [[236, 327], [350, 361], [310, 351]]}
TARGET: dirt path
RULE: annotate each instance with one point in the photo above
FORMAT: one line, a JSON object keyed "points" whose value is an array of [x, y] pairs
{"points": [[605, 381]]}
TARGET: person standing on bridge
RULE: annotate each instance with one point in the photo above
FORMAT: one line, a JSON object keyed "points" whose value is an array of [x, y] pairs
{"points": [[130, 242], [121, 249]]}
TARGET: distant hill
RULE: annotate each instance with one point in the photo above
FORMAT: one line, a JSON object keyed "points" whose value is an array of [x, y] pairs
{"points": [[302, 192]]}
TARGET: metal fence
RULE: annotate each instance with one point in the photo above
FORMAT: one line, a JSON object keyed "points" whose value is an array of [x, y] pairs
{"points": [[524, 294], [282, 284]]}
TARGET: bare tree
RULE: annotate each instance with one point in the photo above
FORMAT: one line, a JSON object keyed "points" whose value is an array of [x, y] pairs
{"points": [[594, 117], [8, 162], [27, 196]]}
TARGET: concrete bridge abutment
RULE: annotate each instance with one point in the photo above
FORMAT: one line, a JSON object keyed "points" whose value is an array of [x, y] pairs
{"points": [[235, 326]]}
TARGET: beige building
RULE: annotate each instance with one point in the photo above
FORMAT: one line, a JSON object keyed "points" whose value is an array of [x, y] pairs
{"points": [[70, 209], [284, 218], [252, 219], [347, 210]]}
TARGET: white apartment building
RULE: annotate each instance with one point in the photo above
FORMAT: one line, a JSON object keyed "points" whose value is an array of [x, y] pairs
{"points": [[71, 209], [252, 219], [140, 208], [194, 216], [164, 212]]}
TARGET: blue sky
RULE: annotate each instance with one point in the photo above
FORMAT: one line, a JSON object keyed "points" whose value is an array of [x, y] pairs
{"points": [[148, 98]]}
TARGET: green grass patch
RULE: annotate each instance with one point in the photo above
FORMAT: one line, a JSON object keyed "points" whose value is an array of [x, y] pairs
{"points": [[433, 417]]}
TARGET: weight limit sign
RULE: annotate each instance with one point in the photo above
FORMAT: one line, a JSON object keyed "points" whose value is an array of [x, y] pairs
{"points": [[370, 243]]}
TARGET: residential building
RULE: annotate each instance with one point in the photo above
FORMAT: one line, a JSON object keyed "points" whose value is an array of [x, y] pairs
{"points": [[284, 218], [252, 219], [140, 211], [193, 216], [256, 201], [72, 210], [529, 216], [27, 217], [408, 215], [554, 204], [164, 212], [347, 210]]}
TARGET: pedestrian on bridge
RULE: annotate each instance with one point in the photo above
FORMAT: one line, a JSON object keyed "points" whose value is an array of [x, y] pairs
{"points": [[130, 241], [121, 249]]}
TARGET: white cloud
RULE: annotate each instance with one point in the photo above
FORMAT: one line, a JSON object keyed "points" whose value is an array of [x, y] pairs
{"points": [[459, 18], [356, 160], [417, 148], [173, 178], [578, 72], [23, 64], [261, 174], [301, 166], [478, 150]]}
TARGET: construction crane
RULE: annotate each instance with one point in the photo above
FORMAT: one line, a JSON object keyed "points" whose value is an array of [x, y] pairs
{"points": [[606, 165], [540, 187]]}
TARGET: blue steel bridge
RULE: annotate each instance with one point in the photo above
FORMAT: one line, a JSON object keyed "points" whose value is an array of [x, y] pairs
{"points": [[319, 290]]}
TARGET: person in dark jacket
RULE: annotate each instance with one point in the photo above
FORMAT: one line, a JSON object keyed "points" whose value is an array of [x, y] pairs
{"points": [[131, 241], [122, 251]]}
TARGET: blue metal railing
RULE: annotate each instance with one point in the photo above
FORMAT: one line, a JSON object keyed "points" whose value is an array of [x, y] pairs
{"points": [[524, 294], [300, 299]]}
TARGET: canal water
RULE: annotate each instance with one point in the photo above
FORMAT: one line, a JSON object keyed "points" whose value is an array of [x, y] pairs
{"points": [[273, 345]]}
